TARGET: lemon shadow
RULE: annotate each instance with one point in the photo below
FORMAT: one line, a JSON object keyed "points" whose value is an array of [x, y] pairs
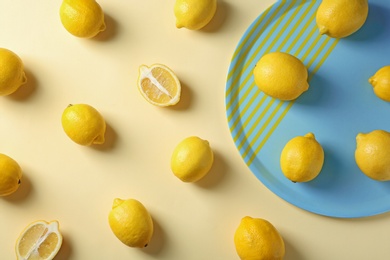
{"points": [[65, 250], [22, 192], [375, 25], [111, 29], [216, 173], [156, 244], [110, 137], [27, 89], [219, 18], [185, 98], [291, 252], [318, 92], [385, 216], [330, 173]]}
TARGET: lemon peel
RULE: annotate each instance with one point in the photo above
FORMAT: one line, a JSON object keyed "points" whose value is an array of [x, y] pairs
{"points": [[302, 158], [281, 75], [341, 18], [380, 82], [194, 14], [258, 239], [372, 154], [12, 74], [10, 175], [83, 124], [131, 222], [192, 159], [82, 18]]}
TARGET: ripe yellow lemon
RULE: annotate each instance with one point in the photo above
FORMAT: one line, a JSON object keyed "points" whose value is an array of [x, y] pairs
{"points": [[302, 158], [159, 85], [40, 240], [194, 14], [381, 83], [341, 18], [10, 175], [131, 222], [258, 239], [83, 124], [192, 159], [372, 154], [82, 18], [12, 74], [281, 75]]}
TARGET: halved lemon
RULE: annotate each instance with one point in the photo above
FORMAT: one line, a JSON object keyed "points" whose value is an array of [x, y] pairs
{"points": [[40, 240], [159, 85]]}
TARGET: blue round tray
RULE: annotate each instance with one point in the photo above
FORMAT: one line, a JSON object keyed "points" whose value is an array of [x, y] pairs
{"points": [[339, 104]]}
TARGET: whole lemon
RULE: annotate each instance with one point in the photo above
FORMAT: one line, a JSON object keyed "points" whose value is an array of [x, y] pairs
{"points": [[258, 239], [372, 154], [194, 14], [82, 18], [341, 18], [192, 159], [302, 158], [381, 83], [84, 124], [10, 175], [131, 223], [281, 75], [12, 74]]}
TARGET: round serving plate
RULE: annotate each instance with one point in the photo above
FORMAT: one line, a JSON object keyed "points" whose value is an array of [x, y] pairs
{"points": [[339, 104]]}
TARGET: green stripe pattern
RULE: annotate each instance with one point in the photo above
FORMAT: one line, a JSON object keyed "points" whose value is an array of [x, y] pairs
{"points": [[287, 26]]}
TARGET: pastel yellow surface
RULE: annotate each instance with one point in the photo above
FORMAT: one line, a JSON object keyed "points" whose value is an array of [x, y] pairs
{"points": [[76, 185]]}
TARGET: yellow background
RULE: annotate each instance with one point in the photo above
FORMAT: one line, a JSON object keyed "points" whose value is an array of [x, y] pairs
{"points": [[76, 185]]}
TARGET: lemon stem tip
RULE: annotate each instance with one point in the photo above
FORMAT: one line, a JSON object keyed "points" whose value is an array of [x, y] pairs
{"points": [[24, 78], [116, 202], [323, 30], [372, 81], [310, 135], [102, 27]]}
